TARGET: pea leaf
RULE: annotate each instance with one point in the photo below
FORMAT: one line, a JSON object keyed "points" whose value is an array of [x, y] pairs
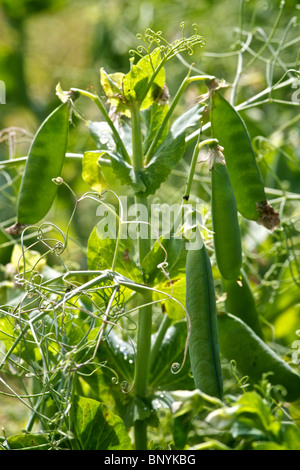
{"points": [[134, 88], [102, 135], [170, 151], [165, 248], [167, 291], [119, 355], [189, 119], [91, 171], [126, 173], [171, 352], [149, 64], [97, 427], [28, 441], [112, 85], [102, 246], [153, 118], [167, 156], [135, 85]]}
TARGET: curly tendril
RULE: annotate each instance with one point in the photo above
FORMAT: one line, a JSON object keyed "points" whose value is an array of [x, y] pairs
{"points": [[152, 39]]}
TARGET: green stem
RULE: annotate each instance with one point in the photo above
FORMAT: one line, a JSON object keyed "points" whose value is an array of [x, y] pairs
{"points": [[166, 119], [266, 43], [197, 149], [100, 105], [140, 434], [137, 145], [142, 365], [143, 349]]}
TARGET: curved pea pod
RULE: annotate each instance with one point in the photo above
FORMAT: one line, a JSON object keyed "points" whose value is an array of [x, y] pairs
{"points": [[201, 307], [253, 357], [241, 302], [231, 132], [44, 162], [227, 238]]}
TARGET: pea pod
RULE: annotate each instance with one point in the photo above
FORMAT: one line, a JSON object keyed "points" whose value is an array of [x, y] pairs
{"points": [[241, 303], [227, 239], [44, 162], [253, 357], [231, 132], [5, 251], [201, 307]]}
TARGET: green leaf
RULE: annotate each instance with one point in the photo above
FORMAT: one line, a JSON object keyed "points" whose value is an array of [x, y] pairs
{"points": [[7, 331], [153, 118], [8, 334], [149, 65], [119, 355], [104, 139], [165, 248], [102, 246], [140, 410], [188, 119], [174, 288], [165, 159], [112, 85], [171, 352], [170, 151], [27, 260], [102, 135], [124, 91], [28, 441], [126, 173], [91, 171], [97, 428], [135, 85]]}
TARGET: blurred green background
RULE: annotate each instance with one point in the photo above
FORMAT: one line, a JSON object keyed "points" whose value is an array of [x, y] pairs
{"points": [[46, 42]]}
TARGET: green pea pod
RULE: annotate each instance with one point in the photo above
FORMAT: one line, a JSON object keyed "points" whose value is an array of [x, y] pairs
{"points": [[230, 130], [253, 357], [241, 303], [44, 162], [5, 251], [201, 307], [227, 239]]}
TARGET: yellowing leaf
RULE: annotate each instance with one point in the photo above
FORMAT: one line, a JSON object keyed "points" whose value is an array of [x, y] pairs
{"points": [[31, 258], [91, 171]]}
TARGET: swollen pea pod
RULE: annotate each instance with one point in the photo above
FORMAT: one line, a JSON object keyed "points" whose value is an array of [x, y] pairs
{"points": [[44, 162], [201, 307], [253, 357], [231, 132], [227, 239], [240, 302]]}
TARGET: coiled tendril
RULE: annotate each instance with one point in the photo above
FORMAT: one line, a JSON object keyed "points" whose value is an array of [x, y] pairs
{"points": [[152, 39]]}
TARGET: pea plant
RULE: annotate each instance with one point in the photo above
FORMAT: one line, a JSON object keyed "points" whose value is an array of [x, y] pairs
{"points": [[161, 329]]}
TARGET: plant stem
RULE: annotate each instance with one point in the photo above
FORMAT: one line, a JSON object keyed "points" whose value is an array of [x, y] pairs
{"points": [[142, 364], [137, 146], [166, 119], [140, 434], [143, 349], [100, 105], [266, 43], [197, 149]]}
